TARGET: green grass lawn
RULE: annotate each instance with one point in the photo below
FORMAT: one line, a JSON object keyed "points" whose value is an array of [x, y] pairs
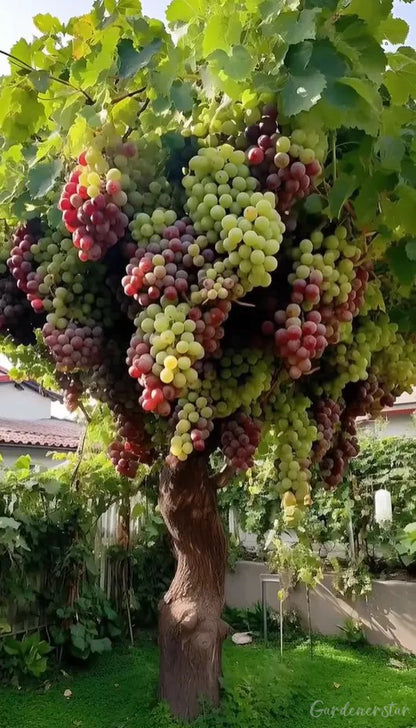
{"points": [[119, 691]]}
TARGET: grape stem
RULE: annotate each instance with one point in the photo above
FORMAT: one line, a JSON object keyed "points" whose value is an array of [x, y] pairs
{"points": [[128, 96], [244, 303], [27, 67]]}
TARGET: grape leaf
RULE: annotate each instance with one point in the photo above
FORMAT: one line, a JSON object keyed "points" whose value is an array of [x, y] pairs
{"points": [[22, 50], [130, 60], [47, 23], [41, 177], [327, 60], [301, 92], [298, 57], [329, 4], [182, 95], [183, 10], [293, 27], [354, 40], [366, 90], [99, 63], [237, 66], [400, 77], [221, 33], [400, 213], [372, 11], [215, 35], [394, 30], [93, 119], [341, 191], [54, 216], [401, 265], [40, 80], [411, 250], [348, 106], [391, 151]]}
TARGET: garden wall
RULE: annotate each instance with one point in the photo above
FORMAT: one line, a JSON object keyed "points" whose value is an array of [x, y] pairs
{"points": [[388, 616]]}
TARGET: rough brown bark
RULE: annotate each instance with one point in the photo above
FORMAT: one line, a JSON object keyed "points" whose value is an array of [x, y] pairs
{"points": [[191, 631]]}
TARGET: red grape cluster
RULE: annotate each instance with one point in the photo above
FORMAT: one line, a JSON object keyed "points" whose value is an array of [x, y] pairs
{"points": [[209, 329], [334, 316], [75, 347], [72, 388], [291, 182], [240, 438], [299, 338], [359, 288], [367, 397], [167, 267], [308, 291], [20, 263], [327, 415], [96, 223], [156, 397], [288, 178], [14, 307], [344, 447], [131, 447]]}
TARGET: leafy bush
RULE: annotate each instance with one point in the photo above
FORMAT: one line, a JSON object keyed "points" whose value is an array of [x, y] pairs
{"points": [[48, 573], [150, 570], [353, 631], [353, 581], [19, 658], [87, 627], [406, 546]]}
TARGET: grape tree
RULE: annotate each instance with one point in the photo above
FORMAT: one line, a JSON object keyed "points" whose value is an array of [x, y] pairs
{"points": [[212, 233]]}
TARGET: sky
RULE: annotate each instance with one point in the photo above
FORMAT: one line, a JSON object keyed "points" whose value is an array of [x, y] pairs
{"points": [[16, 17]]}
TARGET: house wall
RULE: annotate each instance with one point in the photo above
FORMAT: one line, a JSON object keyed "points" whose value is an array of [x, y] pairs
{"points": [[11, 453], [23, 404], [396, 426]]}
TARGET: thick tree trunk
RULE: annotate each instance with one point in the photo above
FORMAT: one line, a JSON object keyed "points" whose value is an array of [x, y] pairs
{"points": [[191, 631]]}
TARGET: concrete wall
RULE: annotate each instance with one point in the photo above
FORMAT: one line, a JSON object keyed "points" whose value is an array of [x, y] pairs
{"points": [[388, 616], [23, 404]]}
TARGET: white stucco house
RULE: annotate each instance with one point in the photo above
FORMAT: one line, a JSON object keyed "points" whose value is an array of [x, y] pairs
{"points": [[27, 425], [396, 421]]}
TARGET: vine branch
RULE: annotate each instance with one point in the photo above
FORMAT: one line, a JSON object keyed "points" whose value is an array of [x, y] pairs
{"points": [[128, 96], [27, 67], [81, 448]]}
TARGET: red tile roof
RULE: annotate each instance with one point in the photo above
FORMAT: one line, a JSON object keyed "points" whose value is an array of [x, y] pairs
{"points": [[52, 434]]}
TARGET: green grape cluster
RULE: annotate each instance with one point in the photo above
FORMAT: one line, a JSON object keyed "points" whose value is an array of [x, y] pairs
{"points": [[194, 425], [170, 335], [238, 381], [213, 184], [295, 432], [395, 367], [252, 241], [350, 360], [158, 195], [304, 144], [147, 228]]}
